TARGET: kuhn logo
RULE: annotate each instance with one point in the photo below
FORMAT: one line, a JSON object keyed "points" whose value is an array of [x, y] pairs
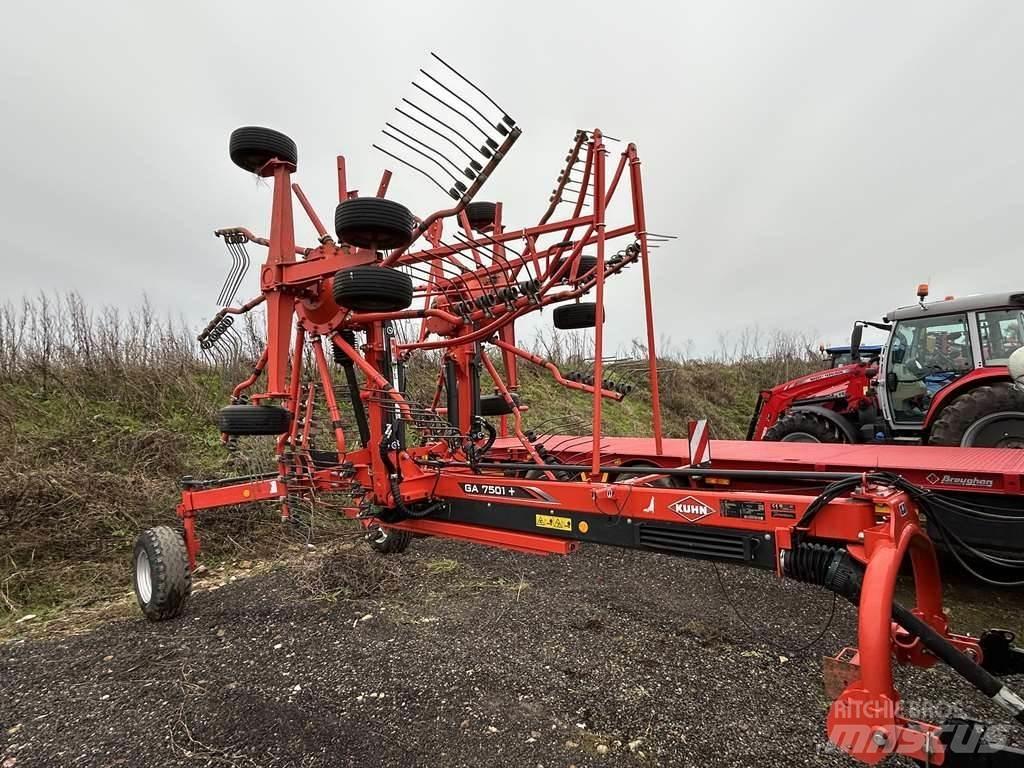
{"points": [[963, 481], [690, 509]]}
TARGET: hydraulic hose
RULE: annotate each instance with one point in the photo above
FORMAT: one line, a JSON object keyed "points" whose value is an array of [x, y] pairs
{"points": [[395, 481], [358, 411], [834, 569]]}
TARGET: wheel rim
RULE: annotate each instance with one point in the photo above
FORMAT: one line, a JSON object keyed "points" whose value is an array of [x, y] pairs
{"points": [[143, 577], [997, 430], [379, 536], [800, 437]]}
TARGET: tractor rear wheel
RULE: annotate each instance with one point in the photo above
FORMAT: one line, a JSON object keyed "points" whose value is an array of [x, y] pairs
{"points": [[804, 427], [253, 420], [986, 417], [369, 288], [373, 222], [570, 316], [252, 147], [161, 577], [388, 541]]}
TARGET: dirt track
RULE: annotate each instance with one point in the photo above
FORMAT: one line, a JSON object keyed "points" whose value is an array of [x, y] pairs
{"points": [[465, 657]]}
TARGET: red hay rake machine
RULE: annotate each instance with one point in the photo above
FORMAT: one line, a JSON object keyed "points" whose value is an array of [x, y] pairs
{"points": [[465, 465]]}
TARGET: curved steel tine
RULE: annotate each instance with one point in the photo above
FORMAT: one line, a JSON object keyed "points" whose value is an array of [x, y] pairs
{"points": [[504, 115]]}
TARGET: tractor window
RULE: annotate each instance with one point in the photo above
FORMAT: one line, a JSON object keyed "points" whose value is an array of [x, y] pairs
{"points": [[840, 358], [1002, 333], [925, 355]]}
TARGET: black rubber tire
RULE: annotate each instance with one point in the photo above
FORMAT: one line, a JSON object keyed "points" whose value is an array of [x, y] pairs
{"points": [[369, 288], [584, 269], [955, 421], [666, 481], [560, 474], [252, 147], [170, 579], [388, 541], [571, 316], [481, 215], [373, 222], [253, 420], [495, 405], [792, 426]]}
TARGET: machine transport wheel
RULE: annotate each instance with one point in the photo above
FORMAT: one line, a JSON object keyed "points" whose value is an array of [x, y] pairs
{"points": [[987, 417], [584, 269], [481, 215], [388, 541], [253, 420], [495, 405], [569, 316], [804, 427], [373, 222], [160, 574], [369, 288], [251, 148]]}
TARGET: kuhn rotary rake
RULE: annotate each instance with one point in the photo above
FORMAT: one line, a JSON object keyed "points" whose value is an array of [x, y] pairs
{"points": [[465, 466]]}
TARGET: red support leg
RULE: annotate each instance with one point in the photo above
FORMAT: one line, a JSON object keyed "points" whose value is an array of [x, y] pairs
{"points": [[599, 225], [640, 218], [280, 304]]}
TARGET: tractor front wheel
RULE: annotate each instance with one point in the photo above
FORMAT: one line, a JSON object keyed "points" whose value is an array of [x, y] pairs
{"points": [[986, 417], [161, 576], [804, 427]]}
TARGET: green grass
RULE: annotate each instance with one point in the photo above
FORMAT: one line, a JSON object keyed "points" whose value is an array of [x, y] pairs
{"points": [[96, 454]]}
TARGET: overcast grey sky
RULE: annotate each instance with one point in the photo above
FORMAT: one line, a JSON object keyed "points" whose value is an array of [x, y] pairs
{"points": [[817, 159]]}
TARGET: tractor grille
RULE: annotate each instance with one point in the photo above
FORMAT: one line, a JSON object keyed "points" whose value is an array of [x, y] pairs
{"points": [[698, 542]]}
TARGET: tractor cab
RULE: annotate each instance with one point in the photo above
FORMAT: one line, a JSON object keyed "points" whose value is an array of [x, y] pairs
{"points": [[938, 349], [842, 354]]}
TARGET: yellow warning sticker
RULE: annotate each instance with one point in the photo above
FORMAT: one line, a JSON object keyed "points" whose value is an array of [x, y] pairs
{"points": [[554, 522]]}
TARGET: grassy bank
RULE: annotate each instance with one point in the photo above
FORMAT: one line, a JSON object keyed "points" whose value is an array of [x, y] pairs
{"points": [[104, 415]]}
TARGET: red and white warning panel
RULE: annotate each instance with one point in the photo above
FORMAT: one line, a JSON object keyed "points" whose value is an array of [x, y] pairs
{"points": [[700, 443]]}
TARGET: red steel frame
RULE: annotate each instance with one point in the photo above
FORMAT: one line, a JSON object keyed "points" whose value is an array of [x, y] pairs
{"points": [[544, 511]]}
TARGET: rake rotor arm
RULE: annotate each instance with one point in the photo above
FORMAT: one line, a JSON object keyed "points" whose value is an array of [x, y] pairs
{"points": [[406, 314], [467, 196], [571, 159], [257, 369], [555, 372], [221, 314], [522, 305], [311, 213], [248, 235]]}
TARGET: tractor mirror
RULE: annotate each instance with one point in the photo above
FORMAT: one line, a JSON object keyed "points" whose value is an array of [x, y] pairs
{"points": [[855, 337], [1016, 365]]}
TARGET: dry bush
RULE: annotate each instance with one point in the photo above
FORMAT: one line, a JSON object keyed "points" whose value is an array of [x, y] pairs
{"points": [[348, 573]]}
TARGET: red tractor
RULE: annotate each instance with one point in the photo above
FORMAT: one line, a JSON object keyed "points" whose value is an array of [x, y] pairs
{"points": [[942, 378]]}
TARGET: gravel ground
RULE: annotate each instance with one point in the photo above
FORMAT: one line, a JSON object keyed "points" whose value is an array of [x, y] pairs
{"points": [[458, 656]]}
